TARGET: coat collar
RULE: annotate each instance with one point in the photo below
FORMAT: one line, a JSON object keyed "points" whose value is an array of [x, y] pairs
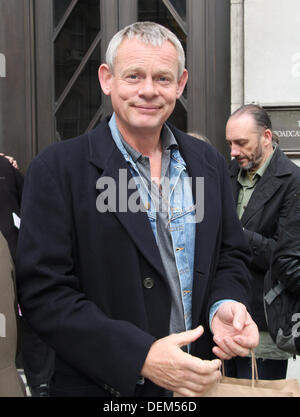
{"points": [[266, 187], [101, 146]]}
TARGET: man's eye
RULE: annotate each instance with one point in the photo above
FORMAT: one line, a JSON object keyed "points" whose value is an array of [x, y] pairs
{"points": [[132, 77], [163, 79]]}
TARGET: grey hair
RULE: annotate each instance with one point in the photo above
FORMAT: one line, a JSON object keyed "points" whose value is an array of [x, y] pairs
{"points": [[148, 32]]}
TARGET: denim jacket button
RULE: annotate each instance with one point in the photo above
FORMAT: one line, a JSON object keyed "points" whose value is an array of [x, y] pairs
{"points": [[148, 283]]}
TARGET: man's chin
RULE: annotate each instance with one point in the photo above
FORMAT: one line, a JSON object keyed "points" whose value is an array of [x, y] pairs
{"points": [[246, 167]]}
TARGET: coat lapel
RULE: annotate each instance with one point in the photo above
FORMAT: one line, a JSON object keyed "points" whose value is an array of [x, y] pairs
{"points": [[264, 190], [105, 155], [234, 170]]}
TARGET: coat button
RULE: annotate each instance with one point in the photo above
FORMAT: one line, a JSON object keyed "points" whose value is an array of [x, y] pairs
{"points": [[141, 380], [148, 283]]}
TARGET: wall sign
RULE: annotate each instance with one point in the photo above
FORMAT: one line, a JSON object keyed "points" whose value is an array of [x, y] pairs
{"points": [[286, 124]]}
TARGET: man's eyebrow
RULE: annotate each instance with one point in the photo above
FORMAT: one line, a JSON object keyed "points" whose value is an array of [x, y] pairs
{"points": [[131, 69], [236, 140], [164, 71]]}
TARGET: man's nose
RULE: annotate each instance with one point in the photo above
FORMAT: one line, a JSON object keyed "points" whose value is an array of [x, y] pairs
{"points": [[234, 151], [147, 87]]}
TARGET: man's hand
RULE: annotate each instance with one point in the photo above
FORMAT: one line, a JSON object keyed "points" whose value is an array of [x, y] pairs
{"points": [[235, 333], [171, 368]]}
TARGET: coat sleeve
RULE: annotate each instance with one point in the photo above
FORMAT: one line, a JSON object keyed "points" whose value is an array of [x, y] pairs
{"points": [[262, 246], [107, 351], [262, 249], [286, 259]]}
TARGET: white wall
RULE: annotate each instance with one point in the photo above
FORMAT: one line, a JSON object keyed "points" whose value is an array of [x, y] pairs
{"points": [[296, 161], [272, 52]]}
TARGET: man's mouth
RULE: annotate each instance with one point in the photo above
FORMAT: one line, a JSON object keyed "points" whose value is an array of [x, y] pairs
{"points": [[146, 107], [240, 159]]}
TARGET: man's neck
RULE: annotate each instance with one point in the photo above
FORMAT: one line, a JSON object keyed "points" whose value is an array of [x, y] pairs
{"points": [[148, 143], [267, 154]]}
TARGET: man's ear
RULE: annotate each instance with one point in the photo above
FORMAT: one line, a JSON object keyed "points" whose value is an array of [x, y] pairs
{"points": [[105, 78], [268, 136], [181, 83]]}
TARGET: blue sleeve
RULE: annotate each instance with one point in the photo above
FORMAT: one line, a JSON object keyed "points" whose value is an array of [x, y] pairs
{"points": [[215, 307]]}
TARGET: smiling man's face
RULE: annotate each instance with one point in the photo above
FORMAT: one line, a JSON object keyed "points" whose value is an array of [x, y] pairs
{"points": [[144, 86]]}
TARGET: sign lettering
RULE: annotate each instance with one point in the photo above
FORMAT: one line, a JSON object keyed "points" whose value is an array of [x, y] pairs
{"points": [[286, 125]]}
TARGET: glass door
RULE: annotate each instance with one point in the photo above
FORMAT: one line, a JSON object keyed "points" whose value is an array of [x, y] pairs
{"points": [[77, 55]]}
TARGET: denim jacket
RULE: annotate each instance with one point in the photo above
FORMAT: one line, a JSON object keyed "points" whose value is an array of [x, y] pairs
{"points": [[181, 218]]}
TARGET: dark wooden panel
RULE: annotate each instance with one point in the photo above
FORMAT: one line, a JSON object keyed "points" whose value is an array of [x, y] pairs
{"points": [[44, 74], [208, 58], [196, 65], [218, 71], [127, 12], [109, 26]]}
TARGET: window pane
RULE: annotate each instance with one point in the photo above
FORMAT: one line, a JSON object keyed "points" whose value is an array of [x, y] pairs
{"points": [[180, 6], [74, 41], [82, 102], [156, 11], [59, 9]]}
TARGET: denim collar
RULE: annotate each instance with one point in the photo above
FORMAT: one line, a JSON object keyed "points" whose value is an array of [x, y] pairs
{"points": [[131, 155]]}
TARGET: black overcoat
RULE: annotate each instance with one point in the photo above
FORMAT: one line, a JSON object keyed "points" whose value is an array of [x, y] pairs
{"points": [[83, 276], [264, 218]]}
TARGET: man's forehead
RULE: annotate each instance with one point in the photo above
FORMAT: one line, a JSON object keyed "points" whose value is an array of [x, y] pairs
{"points": [[134, 54], [243, 122], [134, 44]]}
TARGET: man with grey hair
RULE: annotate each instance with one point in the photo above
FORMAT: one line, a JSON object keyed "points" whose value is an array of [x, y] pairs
{"points": [[264, 181], [121, 267]]}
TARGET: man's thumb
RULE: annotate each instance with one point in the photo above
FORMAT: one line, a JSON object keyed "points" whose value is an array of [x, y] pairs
{"points": [[185, 338], [239, 318]]}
